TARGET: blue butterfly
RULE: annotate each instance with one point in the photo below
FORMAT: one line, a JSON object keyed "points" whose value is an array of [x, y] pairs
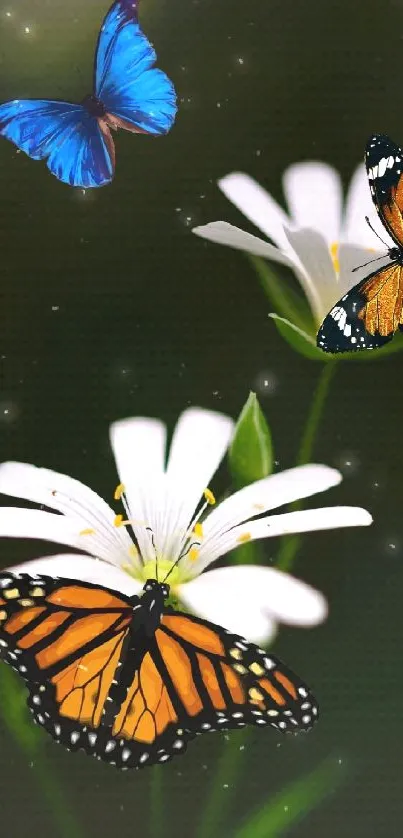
{"points": [[75, 139]]}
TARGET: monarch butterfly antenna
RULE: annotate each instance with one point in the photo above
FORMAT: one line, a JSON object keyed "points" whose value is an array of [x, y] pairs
{"points": [[182, 556], [377, 234], [155, 551], [357, 268]]}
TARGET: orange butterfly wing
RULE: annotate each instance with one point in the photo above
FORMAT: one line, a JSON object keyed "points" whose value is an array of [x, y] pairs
{"points": [[369, 314], [382, 312], [99, 684], [223, 681]]}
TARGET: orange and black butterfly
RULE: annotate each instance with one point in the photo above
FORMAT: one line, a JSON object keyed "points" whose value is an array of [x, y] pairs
{"points": [[131, 680], [368, 316]]}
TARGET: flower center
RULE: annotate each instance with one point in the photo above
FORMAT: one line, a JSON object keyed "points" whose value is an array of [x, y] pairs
{"points": [[164, 566], [334, 252]]}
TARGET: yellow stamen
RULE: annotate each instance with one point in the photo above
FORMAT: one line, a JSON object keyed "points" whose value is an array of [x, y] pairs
{"points": [[334, 252], [88, 531], [133, 551], [198, 530], [193, 554], [245, 536], [209, 497], [119, 491], [119, 522]]}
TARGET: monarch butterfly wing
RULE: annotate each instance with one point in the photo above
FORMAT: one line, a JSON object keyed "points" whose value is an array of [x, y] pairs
{"points": [[219, 680], [384, 164], [367, 316], [193, 677], [65, 638], [138, 97], [77, 149]]}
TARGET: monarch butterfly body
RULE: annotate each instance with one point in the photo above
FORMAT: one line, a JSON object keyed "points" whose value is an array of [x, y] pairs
{"points": [[131, 680], [371, 312]]}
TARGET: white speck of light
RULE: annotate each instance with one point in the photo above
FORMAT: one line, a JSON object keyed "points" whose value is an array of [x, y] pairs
{"points": [[27, 30]]}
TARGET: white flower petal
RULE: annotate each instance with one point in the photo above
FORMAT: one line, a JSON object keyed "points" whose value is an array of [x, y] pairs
{"points": [[227, 597], [82, 568], [362, 260], [314, 195], [48, 526], [359, 204], [270, 526], [269, 493], [139, 448], [257, 205], [319, 280], [223, 233], [55, 490], [200, 440], [254, 592]]}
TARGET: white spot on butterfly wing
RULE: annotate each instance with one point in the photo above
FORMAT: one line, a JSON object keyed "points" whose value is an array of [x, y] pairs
{"points": [[382, 166]]}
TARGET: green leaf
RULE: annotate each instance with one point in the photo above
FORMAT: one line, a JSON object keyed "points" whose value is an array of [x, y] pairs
{"points": [[14, 710], [305, 344], [251, 452], [299, 340], [282, 296], [278, 814]]}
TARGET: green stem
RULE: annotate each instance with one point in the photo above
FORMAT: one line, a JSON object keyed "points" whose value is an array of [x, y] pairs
{"points": [[157, 829], [290, 805], [290, 543], [30, 740], [62, 811], [220, 797]]}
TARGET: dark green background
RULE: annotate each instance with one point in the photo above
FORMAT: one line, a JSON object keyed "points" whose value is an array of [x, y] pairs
{"points": [[150, 319]]}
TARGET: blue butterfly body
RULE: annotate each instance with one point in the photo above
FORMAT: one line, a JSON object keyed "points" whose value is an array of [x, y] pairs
{"points": [[75, 139]]}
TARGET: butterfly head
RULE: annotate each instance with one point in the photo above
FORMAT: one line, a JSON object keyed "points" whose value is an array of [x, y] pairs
{"points": [[94, 106], [161, 588], [396, 254]]}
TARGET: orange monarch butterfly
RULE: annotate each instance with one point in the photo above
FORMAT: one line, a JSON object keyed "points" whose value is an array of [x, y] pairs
{"points": [[368, 316], [132, 680]]}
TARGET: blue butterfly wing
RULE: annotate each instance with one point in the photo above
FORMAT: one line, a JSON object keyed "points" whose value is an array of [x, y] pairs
{"points": [[125, 80], [77, 151]]}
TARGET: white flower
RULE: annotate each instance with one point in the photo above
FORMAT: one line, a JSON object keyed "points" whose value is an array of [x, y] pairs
{"points": [[319, 240], [164, 506]]}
